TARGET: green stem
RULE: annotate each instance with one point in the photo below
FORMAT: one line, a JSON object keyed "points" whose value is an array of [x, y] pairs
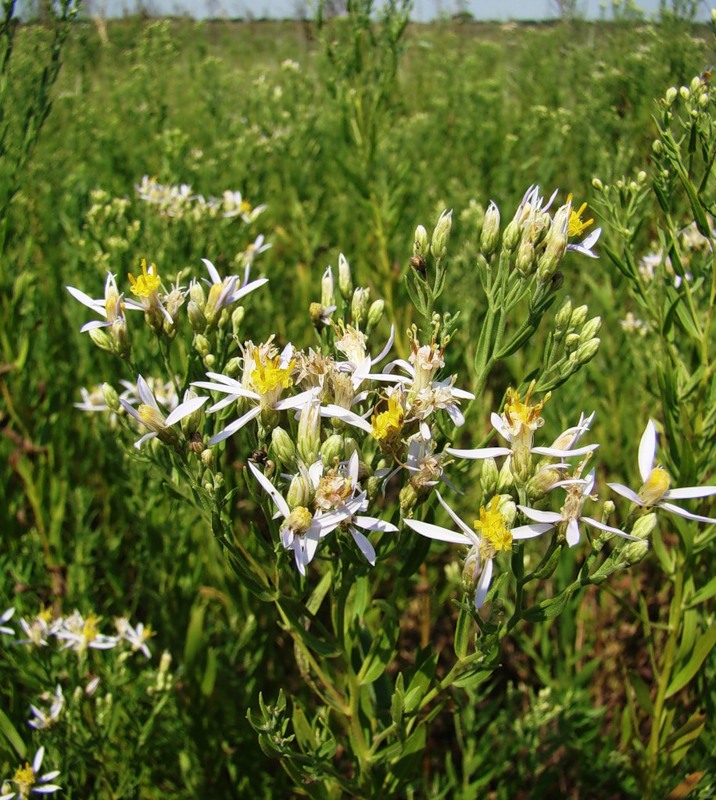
{"points": [[664, 679]]}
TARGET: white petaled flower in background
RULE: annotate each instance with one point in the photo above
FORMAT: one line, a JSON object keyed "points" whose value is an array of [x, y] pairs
{"points": [[268, 375], [579, 490], [136, 636], [489, 536], [302, 529], [151, 416], [39, 628], [111, 307], [43, 719], [6, 616], [27, 781], [223, 292], [655, 491], [78, 633], [235, 205]]}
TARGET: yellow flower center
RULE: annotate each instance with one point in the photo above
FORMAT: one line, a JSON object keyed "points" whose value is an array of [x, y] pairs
{"points": [[245, 207], [577, 225], [493, 529], [24, 778], [387, 425], [655, 486], [147, 283], [267, 376], [299, 520], [517, 411], [89, 629]]}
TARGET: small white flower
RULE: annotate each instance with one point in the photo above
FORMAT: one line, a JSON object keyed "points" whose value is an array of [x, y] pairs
{"points": [[268, 376], [655, 489], [302, 529], [45, 719], [223, 292], [494, 536], [152, 417], [136, 636], [112, 306], [78, 633], [26, 780], [578, 491]]}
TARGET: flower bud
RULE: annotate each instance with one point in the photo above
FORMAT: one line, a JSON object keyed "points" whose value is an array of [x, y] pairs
{"points": [[578, 316], [670, 95], [420, 243], [102, 339], [300, 491], [525, 261], [571, 340], [488, 477], [505, 479], [408, 498], [284, 449], [209, 361], [441, 235], [237, 317], [375, 314], [563, 316], [345, 281], [111, 398], [597, 185], [202, 345], [328, 293], [590, 329], [197, 320], [512, 235], [587, 351], [191, 422], [555, 245], [233, 367], [309, 432], [507, 507], [490, 236], [332, 449], [359, 305], [207, 457], [197, 295], [684, 92]]}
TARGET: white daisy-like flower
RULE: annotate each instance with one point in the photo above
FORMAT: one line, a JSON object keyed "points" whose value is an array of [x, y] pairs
{"points": [[111, 307], [488, 537], [334, 489], [302, 529], [136, 636], [151, 416], [579, 490], [78, 633], [235, 205], [655, 491], [223, 292], [268, 376], [39, 628], [26, 780], [44, 719]]}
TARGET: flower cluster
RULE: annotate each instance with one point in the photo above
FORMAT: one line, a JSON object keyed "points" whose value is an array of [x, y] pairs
{"points": [[179, 201], [336, 428]]}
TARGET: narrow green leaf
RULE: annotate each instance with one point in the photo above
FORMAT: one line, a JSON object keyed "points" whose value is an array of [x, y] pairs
{"points": [[547, 609], [209, 680], [704, 593], [703, 647], [7, 729]]}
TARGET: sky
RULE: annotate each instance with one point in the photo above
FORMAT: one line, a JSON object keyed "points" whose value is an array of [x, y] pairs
{"points": [[423, 10]]}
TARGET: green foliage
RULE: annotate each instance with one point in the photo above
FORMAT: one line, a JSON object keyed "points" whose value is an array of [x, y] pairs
{"points": [[161, 140]]}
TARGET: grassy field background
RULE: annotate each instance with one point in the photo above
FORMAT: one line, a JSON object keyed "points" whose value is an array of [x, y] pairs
{"points": [[350, 143]]}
